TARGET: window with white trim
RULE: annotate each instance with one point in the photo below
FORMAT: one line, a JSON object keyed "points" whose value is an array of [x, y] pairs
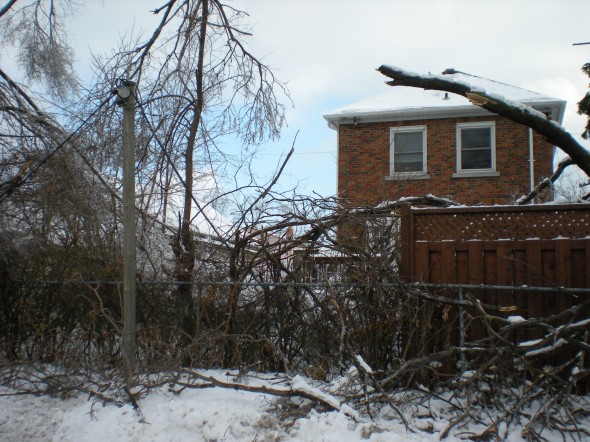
{"points": [[476, 147], [407, 150]]}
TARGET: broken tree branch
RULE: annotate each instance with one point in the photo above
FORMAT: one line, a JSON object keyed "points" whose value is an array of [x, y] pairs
{"points": [[517, 112], [545, 182]]}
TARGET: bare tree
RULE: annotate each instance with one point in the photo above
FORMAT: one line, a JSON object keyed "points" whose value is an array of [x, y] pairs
{"points": [[198, 84], [37, 29]]}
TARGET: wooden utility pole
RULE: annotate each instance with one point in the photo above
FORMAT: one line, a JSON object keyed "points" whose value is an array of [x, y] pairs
{"points": [[126, 98]]}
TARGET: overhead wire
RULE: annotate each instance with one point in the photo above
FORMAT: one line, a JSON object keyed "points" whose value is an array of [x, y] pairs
{"points": [[175, 169], [15, 182], [308, 284], [219, 236]]}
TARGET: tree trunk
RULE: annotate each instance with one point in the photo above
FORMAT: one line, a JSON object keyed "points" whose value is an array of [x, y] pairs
{"points": [[185, 247], [231, 346]]}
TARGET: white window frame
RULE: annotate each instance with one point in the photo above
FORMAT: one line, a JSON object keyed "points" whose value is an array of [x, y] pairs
{"points": [[490, 171], [393, 174]]}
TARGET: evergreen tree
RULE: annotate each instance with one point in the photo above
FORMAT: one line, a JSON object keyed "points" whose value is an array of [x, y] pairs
{"points": [[584, 104]]}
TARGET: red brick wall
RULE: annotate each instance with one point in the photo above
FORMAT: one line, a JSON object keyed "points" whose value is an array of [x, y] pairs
{"points": [[363, 163]]}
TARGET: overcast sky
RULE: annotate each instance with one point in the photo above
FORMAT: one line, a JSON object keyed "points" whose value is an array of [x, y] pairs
{"points": [[327, 51]]}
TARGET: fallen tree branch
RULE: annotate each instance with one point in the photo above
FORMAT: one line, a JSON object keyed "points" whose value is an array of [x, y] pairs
{"points": [[295, 387], [564, 164], [516, 112]]}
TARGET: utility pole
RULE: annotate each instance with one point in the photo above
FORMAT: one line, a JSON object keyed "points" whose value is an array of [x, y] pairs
{"points": [[126, 99]]}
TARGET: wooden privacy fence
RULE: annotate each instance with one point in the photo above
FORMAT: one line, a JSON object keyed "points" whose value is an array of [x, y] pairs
{"points": [[479, 249], [538, 246]]}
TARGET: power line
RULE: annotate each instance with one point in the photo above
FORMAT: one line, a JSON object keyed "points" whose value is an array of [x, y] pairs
{"points": [[312, 152], [19, 179]]}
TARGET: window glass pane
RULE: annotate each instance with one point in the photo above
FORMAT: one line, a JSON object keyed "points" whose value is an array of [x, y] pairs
{"points": [[408, 155], [408, 166], [474, 138], [476, 159], [407, 142], [476, 148], [408, 162]]}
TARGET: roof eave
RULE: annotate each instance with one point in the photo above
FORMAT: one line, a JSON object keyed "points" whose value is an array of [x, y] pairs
{"points": [[334, 120], [556, 107]]}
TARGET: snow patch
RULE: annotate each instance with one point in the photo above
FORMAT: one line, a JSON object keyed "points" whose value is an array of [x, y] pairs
{"points": [[363, 364]]}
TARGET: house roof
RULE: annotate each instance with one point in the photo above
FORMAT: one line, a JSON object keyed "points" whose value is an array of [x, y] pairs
{"points": [[400, 103]]}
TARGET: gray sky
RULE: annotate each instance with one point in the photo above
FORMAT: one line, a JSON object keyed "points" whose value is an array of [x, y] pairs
{"points": [[327, 51]]}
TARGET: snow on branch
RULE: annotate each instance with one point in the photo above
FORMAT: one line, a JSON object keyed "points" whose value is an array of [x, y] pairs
{"points": [[296, 386], [518, 112]]}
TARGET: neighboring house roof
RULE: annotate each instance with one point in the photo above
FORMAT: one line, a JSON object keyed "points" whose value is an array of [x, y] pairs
{"points": [[205, 218], [400, 103], [210, 221]]}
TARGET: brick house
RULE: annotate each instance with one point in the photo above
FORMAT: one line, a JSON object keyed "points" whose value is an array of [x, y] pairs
{"points": [[411, 142]]}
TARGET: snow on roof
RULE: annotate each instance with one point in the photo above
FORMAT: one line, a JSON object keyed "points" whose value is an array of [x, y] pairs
{"points": [[209, 221], [205, 217], [405, 103]]}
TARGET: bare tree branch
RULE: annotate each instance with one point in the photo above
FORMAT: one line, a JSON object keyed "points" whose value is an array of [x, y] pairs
{"points": [[544, 184]]}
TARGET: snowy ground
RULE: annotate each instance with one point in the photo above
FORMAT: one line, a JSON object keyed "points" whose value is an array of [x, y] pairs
{"points": [[175, 413], [213, 414]]}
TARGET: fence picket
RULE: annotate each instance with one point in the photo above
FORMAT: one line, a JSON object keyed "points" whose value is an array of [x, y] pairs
{"points": [[504, 271]]}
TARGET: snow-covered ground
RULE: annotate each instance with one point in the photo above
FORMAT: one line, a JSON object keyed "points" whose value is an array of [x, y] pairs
{"points": [[183, 412], [211, 414]]}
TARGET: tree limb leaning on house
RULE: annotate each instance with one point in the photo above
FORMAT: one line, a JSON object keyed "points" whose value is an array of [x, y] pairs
{"points": [[554, 133]]}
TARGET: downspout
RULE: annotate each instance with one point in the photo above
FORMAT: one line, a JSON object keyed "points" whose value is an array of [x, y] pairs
{"points": [[335, 127], [531, 160]]}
